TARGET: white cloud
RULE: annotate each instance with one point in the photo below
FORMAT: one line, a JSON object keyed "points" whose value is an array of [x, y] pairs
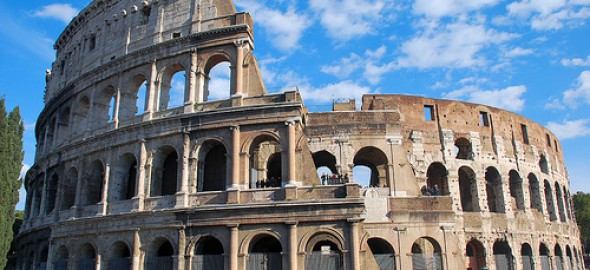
{"points": [[325, 94], [550, 14], [579, 62], [348, 19], [518, 51], [455, 45], [509, 98], [285, 29], [219, 85], [554, 104], [441, 8], [526, 7], [62, 12], [370, 64], [581, 94], [558, 19], [347, 66], [570, 129]]}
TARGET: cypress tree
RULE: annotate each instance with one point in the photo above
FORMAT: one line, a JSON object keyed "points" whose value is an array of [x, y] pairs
{"points": [[11, 157]]}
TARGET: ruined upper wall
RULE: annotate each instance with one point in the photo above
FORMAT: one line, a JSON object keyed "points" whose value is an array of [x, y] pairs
{"points": [[109, 29]]}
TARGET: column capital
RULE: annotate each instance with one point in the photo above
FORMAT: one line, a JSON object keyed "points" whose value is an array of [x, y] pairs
{"points": [[234, 127], [355, 220], [233, 226]]}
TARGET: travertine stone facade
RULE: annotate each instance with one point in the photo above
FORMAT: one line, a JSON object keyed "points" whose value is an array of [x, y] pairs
{"points": [[127, 178]]}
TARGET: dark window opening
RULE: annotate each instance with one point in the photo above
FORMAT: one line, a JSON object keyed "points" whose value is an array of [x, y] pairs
{"points": [[428, 112], [92, 43], [484, 120], [169, 176], [131, 176], [175, 35], [464, 149], [525, 134], [548, 140]]}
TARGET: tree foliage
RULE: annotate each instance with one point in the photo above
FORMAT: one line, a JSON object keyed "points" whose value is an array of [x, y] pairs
{"points": [[582, 209], [11, 157]]}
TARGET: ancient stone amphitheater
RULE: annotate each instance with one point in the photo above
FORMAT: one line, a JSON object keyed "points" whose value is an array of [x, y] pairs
{"points": [[125, 177]]}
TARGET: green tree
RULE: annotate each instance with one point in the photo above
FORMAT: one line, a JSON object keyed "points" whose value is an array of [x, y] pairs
{"points": [[582, 209], [11, 157]]}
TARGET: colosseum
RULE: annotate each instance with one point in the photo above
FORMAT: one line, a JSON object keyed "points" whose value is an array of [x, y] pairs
{"points": [[127, 178]]}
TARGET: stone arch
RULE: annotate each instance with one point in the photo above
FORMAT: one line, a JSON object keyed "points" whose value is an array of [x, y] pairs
{"points": [[381, 255], [63, 123], [160, 253], [81, 115], [324, 251], [436, 179], [476, 254], [494, 190], [516, 190], [543, 164], [165, 172], [124, 180], [311, 238], [165, 92], [526, 254], [43, 255], [93, 184], [264, 250], [535, 193], [119, 256], [426, 251], [50, 193], [558, 255], [134, 97], [568, 201], [67, 189], [61, 257], [325, 165], [208, 254], [266, 162], [87, 256], [463, 149], [104, 102], [376, 160], [212, 170], [569, 258], [51, 134], [544, 254], [468, 189], [37, 193], [212, 62], [549, 202], [560, 202], [503, 255]]}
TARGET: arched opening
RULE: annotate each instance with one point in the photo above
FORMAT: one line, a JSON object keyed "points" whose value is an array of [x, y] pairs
{"points": [[104, 106], [568, 203], [436, 179], [324, 254], [125, 177], [218, 79], [93, 184], [325, 164], [544, 255], [549, 203], [160, 255], [376, 160], [165, 172], [80, 116], [63, 123], [468, 189], [37, 193], [516, 192], [87, 255], [61, 259], [426, 254], [50, 193], [172, 88], [133, 98], [494, 192], [503, 255], [266, 162], [560, 205], [526, 253], [208, 254], [265, 253], [543, 165], [212, 167], [535, 193], [559, 257], [383, 255], [569, 257], [68, 189], [463, 149], [476, 255], [50, 134], [42, 263], [120, 258]]}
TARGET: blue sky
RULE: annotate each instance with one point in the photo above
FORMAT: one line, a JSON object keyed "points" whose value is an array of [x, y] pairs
{"points": [[531, 57]]}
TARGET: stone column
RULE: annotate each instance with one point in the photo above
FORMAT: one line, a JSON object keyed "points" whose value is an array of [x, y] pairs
{"points": [[291, 153], [49, 265], [117, 103], [136, 254], [79, 186], [235, 159], [181, 247], [182, 196], [201, 92], [151, 92], [355, 258], [55, 141], [292, 245], [190, 95], [141, 176], [103, 205], [43, 195], [233, 246], [239, 67]]}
